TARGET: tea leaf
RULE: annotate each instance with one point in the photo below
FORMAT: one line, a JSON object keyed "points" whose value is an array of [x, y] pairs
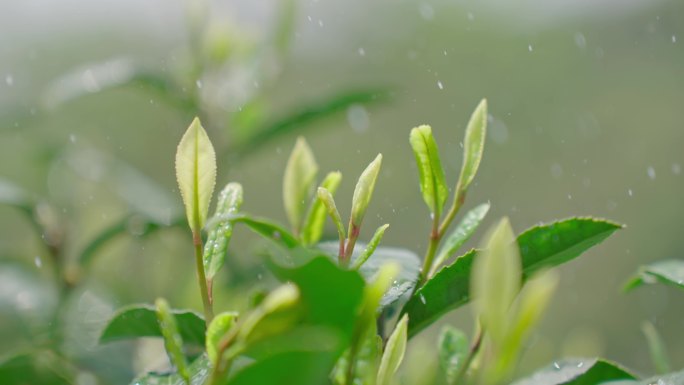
{"points": [[267, 229], [216, 246], [669, 272], [495, 280], [218, 328], [137, 321], [470, 222], [370, 248], [473, 145], [432, 183], [277, 313], [173, 342], [325, 197], [298, 182], [588, 371], [363, 192], [453, 350], [315, 220], [199, 372], [540, 247], [196, 173], [394, 353], [44, 368]]}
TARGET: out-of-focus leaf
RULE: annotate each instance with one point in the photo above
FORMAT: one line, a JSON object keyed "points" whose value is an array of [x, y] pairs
{"points": [[301, 368], [43, 368], [216, 246], [453, 350], [394, 353], [173, 342], [370, 248], [540, 247], [366, 363], [218, 327], [656, 348], [278, 312], [669, 272], [676, 378], [432, 182], [13, 195], [306, 115], [199, 371], [298, 183], [315, 220], [141, 321], [473, 145], [268, 230], [284, 29], [363, 193], [590, 371], [196, 174], [462, 232]]}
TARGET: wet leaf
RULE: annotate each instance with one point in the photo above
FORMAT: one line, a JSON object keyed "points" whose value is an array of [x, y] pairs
{"points": [[473, 145], [669, 272], [196, 174], [394, 353], [216, 246], [173, 342], [453, 350], [432, 183], [589, 371], [199, 372], [298, 183]]}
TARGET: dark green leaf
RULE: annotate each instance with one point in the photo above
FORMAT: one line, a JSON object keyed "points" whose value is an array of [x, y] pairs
{"points": [[453, 349], [669, 272], [199, 372], [540, 247], [676, 378], [141, 321], [577, 372], [42, 368], [301, 368]]}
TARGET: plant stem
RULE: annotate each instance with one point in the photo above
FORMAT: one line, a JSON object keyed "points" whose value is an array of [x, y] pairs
{"points": [[204, 290], [349, 249], [458, 202], [474, 349], [435, 238]]}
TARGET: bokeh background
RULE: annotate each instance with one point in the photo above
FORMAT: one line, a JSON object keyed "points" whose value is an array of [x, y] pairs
{"points": [[586, 110]]}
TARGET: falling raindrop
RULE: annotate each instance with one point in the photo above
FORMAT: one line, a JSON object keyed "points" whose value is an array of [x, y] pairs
{"points": [[38, 261], [529, 47], [198, 83], [556, 171], [426, 11], [72, 138], [580, 40], [674, 38], [422, 299], [630, 192], [362, 52], [358, 118], [651, 173], [9, 79], [676, 168], [555, 365], [471, 16], [440, 85]]}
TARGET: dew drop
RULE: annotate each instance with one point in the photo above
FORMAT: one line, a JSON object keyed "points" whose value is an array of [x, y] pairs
{"points": [[555, 365], [422, 299]]}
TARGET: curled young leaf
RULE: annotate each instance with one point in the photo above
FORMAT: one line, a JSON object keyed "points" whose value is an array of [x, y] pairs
{"points": [[363, 193], [196, 173], [217, 329], [298, 182], [325, 197], [315, 220], [216, 246], [495, 282], [432, 183], [394, 352], [473, 146], [172, 339], [370, 248]]}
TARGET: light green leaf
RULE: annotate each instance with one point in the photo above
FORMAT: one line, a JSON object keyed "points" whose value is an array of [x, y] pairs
{"points": [[315, 220], [470, 222], [432, 183], [199, 372], [363, 193], [586, 371], [496, 280], [656, 348], [217, 329], [473, 146], [298, 182], [278, 312], [219, 234], [394, 352], [137, 321], [326, 198], [453, 350], [370, 248], [172, 338], [540, 247], [669, 272], [196, 174]]}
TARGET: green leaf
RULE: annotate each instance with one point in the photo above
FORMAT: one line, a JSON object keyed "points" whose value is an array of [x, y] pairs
{"points": [[540, 247], [218, 328], [465, 229], [370, 248], [394, 353], [196, 174], [278, 312], [315, 220], [453, 350], [496, 280], [42, 368], [669, 272], [432, 183], [298, 182], [173, 342], [590, 371], [676, 378], [301, 368], [137, 321], [473, 146], [325, 197], [269, 230], [366, 364], [216, 246], [656, 348], [363, 193], [199, 372]]}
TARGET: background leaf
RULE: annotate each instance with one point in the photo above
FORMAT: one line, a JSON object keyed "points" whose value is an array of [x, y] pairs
{"points": [[141, 321], [577, 372], [540, 247], [669, 272], [199, 372], [432, 183], [42, 368], [298, 182]]}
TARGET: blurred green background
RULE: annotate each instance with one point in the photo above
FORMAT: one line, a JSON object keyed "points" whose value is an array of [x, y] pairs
{"points": [[586, 102]]}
